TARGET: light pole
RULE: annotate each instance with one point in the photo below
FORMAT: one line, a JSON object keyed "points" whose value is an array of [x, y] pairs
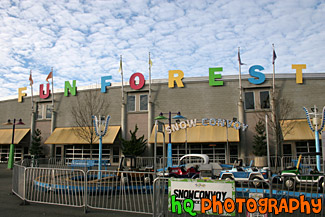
{"points": [[169, 147], [99, 132], [159, 128], [12, 147], [318, 127]]}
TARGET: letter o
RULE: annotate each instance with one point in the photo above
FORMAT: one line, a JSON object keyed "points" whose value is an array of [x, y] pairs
{"points": [[229, 205], [237, 125], [213, 121], [141, 81], [182, 124], [251, 205]]}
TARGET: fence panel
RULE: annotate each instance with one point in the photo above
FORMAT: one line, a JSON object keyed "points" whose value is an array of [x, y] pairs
{"points": [[18, 181], [120, 191], [55, 186]]}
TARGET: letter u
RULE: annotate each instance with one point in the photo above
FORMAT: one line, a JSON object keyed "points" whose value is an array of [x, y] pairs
{"points": [[41, 92]]}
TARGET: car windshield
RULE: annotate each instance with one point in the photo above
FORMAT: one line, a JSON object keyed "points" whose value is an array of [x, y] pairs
{"points": [[194, 158]]}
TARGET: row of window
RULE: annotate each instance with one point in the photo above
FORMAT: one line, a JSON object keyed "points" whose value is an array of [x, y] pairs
{"points": [[44, 111], [140, 103], [264, 100], [137, 103]]}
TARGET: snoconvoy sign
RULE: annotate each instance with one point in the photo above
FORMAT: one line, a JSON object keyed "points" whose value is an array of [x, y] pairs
{"points": [[185, 195]]}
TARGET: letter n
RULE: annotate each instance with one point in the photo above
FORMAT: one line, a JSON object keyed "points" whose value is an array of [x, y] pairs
{"points": [[67, 88]]}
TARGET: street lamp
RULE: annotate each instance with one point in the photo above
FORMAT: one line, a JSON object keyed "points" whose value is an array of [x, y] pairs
{"points": [[12, 147], [99, 132], [169, 147], [318, 127]]}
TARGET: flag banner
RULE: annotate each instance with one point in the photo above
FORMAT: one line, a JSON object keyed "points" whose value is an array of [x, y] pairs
{"points": [[150, 62], [274, 56], [30, 78], [239, 60], [120, 69], [49, 76]]}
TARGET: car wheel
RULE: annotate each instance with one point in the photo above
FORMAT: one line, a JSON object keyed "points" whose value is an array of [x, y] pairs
{"points": [[125, 179], [290, 183], [195, 176], [227, 178], [147, 179], [256, 181]]}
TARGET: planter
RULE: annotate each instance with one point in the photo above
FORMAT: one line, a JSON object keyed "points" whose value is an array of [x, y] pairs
{"points": [[260, 161]]}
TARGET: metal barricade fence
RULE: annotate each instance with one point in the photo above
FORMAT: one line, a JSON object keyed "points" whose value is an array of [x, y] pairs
{"points": [[55, 186], [137, 192], [120, 191], [18, 181]]}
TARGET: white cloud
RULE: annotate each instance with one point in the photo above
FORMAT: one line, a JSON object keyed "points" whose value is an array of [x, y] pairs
{"points": [[83, 40]]}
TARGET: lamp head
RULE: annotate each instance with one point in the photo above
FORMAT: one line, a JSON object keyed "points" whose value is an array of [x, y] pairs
{"points": [[20, 122], [8, 123], [160, 117], [179, 116]]}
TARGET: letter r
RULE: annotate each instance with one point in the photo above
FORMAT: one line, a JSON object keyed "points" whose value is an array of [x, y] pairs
{"points": [[178, 79]]}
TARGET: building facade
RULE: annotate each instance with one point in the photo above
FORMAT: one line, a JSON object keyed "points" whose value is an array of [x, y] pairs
{"points": [[220, 119]]}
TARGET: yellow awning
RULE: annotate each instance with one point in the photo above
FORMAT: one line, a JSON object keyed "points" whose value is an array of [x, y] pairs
{"points": [[68, 136], [199, 134], [295, 130], [6, 135]]}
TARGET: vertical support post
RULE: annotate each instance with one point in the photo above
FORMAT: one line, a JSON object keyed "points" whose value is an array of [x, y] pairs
{"points": [[85, 191], [100, 157], [169, 148], [32, 127], [52, 129], [227, 149], [149, 147], [268, 147], [12, 148], [155, 150], [164, 153], [317, 149]]}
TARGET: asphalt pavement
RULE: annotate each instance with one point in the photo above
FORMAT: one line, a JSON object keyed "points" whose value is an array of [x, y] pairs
{"points": [[13, 206]]}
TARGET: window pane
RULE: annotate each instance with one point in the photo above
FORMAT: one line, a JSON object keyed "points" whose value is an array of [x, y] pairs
{"points": [[249, 100], [48, 111], [39, 111], [143, 102], [131, 103], [265, 99]]}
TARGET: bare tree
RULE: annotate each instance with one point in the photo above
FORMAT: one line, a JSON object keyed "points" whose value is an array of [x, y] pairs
{"points": [[278, 123], [88, 103]]}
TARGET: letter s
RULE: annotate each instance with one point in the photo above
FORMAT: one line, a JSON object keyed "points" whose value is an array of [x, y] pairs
{"points": [[260, 76]]}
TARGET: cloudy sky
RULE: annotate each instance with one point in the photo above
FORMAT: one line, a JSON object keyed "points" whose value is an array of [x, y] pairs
{"points": [[83, 40]]}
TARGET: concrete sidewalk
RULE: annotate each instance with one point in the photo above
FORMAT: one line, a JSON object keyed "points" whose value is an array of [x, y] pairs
{"points": [[11, 205]]}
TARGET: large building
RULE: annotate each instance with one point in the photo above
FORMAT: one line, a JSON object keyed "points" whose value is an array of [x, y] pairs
{"points": [[218, 122]]}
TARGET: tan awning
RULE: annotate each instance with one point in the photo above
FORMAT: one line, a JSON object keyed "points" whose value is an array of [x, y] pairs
{"points": [[6, 135], [295, 130], [199, 134], [68, 136]]}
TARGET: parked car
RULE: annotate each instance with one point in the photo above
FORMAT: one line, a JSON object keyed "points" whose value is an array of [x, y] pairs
{"points": [[291, 176], [192, 166], [241, 173]]}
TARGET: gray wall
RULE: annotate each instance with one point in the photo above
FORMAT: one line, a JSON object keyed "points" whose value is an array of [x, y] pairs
{"points": [[196, 100]]}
